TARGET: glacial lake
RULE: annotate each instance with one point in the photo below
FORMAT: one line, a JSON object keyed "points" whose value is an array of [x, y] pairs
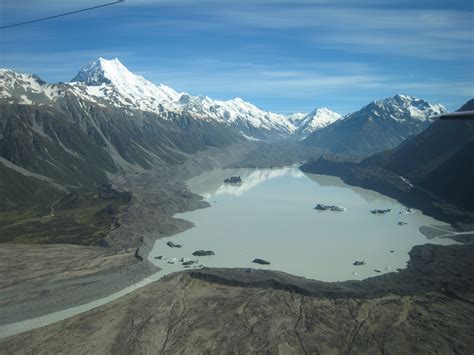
{"points": [[271, 216]]}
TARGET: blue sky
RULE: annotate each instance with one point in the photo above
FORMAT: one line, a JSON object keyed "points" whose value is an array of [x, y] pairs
{"points": [[283, 56]]}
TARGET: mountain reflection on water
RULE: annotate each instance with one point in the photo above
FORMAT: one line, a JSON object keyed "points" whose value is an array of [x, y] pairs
{"points": [[212, 183], [250, 179]]}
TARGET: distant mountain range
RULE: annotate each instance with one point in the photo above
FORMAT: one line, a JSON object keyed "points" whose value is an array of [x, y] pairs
{"points": [[380, 125], [108, 82]]}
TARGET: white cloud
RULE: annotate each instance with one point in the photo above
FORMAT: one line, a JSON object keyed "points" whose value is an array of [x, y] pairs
{"points": [[226, 79], [417, 33], [427, 34], [351, 26]]}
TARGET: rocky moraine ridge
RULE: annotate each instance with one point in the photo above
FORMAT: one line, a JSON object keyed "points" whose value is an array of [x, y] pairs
{"points": [[427, 308]]}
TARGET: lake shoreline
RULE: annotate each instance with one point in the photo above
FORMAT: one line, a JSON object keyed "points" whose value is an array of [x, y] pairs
{"points": [[276, 203], [148, 217], [393, 186], [433, 295], [431, 268]]}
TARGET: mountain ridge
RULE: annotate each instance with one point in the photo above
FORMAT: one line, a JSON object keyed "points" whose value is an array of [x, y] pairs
{"points": [[110, 82], [317, 119], [102, 76], [379, 125]]}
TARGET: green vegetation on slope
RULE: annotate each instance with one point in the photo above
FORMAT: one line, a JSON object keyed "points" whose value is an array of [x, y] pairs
{"points": [[78, 218], [18, 191]]}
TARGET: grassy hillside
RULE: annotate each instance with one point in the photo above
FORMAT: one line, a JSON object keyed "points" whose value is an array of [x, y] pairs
{"points": [[80, 217]]}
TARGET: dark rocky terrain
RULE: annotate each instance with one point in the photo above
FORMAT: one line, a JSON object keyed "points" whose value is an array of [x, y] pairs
{"points": [[431, 268], [427, 308]]}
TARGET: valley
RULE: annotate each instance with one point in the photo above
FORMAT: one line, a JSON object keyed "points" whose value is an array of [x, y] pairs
{"points": [[98, 174], [86, 271]]}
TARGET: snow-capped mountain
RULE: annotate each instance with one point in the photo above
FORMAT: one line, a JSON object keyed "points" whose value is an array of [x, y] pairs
{"points": [[111, 81], [108, 83], [307, 123], [382, 124], [317, 119], [402, 108], [236, 112]]}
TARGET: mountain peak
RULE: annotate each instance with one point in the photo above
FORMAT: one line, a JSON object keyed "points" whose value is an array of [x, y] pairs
{"points": [[404, 97], [380, 125], [398, 99], [104, 77], [402, 107], [103, 71], [317, 119]]}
